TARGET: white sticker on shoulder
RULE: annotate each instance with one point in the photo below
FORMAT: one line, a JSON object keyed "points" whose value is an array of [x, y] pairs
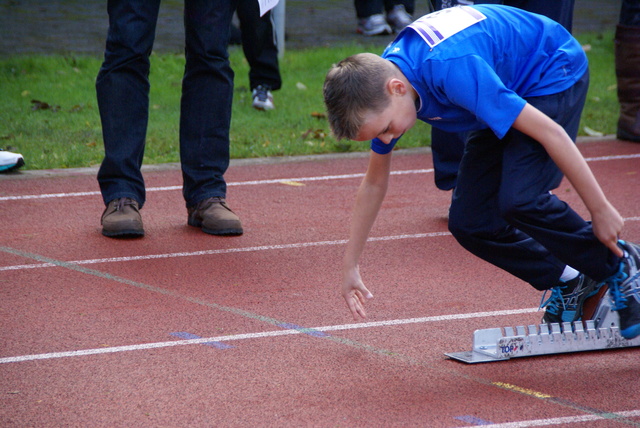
{"points": [[439, 26]]}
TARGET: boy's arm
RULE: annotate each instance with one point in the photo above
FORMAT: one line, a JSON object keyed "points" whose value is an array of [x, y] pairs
{"points": [[607, 222], [369, 198]]}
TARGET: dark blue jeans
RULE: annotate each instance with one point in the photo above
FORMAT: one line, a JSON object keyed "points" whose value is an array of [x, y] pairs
{"points": [[502, 209], [122, 88], [259, 45]]}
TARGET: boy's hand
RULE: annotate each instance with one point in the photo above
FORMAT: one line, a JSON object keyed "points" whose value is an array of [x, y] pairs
{"points": [[607, 226], [355, 293]]}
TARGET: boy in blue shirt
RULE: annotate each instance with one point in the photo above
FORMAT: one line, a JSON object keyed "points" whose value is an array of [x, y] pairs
{"points": [[516, 83]]}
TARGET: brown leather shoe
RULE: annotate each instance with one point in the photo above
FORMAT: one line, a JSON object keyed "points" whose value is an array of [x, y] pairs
{"points": [[121, 219], [215, 217]]}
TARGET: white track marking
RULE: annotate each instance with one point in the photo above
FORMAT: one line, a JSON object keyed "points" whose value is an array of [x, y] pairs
{"points": [[276, 333], [225, 251], [237, 183], [563, 420], [278, 180]]}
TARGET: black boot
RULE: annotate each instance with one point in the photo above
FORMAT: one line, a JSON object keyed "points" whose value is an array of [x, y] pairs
{"points": [[627, 57]]}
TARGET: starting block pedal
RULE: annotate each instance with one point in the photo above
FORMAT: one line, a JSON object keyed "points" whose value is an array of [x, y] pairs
{"points": [[499, 344]]}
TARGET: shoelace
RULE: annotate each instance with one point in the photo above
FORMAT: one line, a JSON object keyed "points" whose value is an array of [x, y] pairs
{"points": [[122, 202], [552, 301], [618, 298], [262, 93]]}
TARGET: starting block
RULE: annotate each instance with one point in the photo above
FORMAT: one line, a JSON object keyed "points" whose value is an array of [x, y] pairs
{"points": [[499, 344]]}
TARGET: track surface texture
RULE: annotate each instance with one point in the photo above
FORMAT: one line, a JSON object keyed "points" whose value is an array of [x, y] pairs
{"points": [[185, 329]]}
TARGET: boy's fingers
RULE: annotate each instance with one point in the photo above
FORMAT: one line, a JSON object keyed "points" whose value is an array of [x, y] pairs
{"points": [[356, 308], [355, 302], [613, 246]]}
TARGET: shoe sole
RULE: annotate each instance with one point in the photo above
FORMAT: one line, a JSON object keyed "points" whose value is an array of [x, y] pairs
{"points": [[223, 232], [132, 233], [383, 32], [262, 107]]}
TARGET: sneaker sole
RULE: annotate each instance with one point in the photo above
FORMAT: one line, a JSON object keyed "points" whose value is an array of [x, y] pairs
{"points": [[382, 32]]}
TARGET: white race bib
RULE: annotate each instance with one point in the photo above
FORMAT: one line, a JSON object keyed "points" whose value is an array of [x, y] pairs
{"points": [[439, 26]]}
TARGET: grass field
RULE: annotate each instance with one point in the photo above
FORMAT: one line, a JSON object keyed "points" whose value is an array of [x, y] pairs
{"points": [[49, 113]]}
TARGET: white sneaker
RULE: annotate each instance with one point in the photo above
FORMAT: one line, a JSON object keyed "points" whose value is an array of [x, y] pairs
{"points": [[9, 161], [262, 98], [373, 25], [398, 18]]}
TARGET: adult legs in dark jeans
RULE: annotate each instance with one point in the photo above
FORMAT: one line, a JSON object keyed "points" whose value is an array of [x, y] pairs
{"points": [[122, 89]]}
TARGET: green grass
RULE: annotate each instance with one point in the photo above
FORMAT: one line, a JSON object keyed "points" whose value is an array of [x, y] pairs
{"points": [[65, 132]]}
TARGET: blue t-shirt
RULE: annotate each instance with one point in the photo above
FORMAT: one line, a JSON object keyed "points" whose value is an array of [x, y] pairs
{"points": [[472, 66]]}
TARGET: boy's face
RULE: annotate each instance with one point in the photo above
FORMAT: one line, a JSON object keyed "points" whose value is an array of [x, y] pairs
{"points": [[399, 116]]}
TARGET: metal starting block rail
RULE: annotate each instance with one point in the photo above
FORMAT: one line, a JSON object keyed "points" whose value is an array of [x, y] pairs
{"points": [[500, 344]]}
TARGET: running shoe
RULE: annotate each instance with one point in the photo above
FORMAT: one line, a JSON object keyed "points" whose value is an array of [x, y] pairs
{"points": [[10, 161], [567, 300], [624, 290], [373, 25], [398, 18], [262, 98]]}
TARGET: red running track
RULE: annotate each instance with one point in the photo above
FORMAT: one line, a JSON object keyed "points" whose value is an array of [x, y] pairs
{"points": [[185, 329]]}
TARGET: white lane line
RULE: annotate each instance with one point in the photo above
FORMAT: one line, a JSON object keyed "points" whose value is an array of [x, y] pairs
{"points": [[224, 251], [238, 183], [563, 420], [233, 250], [276, 333], [278, 180]]}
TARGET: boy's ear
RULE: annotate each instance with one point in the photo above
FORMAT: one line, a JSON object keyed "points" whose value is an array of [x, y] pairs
{"points": [[396, 86]]}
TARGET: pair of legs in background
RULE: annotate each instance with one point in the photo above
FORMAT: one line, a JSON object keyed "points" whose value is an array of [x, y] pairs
{"points": [[122, 88], [371, 18], [260, 48]]}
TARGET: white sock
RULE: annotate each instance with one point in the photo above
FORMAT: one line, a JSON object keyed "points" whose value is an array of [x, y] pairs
{"points": [[569, 274]]}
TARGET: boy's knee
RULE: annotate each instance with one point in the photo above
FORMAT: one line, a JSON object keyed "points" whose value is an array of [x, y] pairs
{"points": [[461, 226]]}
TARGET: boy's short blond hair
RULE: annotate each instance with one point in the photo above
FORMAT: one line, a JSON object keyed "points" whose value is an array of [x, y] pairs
{"points": [[353, 87]]}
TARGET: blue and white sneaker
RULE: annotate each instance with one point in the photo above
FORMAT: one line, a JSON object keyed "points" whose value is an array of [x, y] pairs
{"points": [[262, 98], [566, 301], [398, 18], [624, 290], [373, 25], [10, 161]]}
